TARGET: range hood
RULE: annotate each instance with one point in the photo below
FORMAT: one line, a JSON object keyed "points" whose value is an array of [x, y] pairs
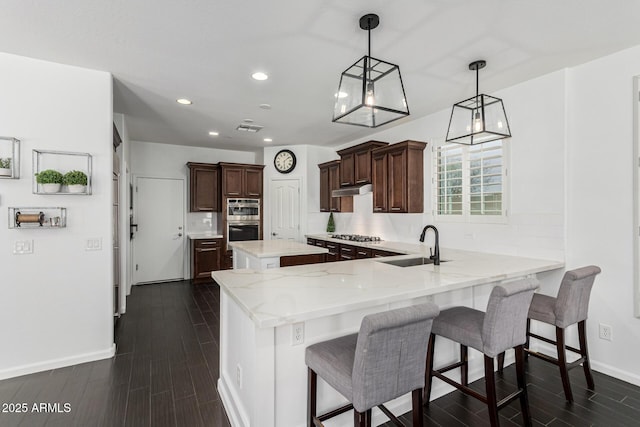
{"points": [[355, 190]]}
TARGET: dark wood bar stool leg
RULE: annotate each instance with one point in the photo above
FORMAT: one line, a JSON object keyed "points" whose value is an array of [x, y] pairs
{"points": [[428, 377], [490, 385], [464, 369], [584, 352], [418, 419], [522, 385], [501, 362], [526, 343], [562, 364], [312, 382]]}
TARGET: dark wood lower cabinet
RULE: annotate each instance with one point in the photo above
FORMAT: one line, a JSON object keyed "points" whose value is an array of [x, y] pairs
{"points": [[288, 261], [227, 261], [379, 253], [205, 258], [334, 251]]}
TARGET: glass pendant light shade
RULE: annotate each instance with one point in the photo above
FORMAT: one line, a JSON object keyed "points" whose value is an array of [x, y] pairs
{"points": [[479, 119], [370, 92]]}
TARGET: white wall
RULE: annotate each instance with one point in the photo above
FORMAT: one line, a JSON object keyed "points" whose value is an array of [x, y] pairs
{"points": [[599, 202], [312, 221], [150, 159], [56, 304]]}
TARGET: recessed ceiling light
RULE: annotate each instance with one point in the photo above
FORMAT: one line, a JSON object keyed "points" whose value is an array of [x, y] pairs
{"points": [[248, 120], [213, 133], [259, 76], [268, 140], [184, 101], [265, 106]]}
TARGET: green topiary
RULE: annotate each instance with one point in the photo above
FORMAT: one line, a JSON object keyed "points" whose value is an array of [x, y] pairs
{"points": [[49, 176], [331, 226], [75, 178], [5, 162]]}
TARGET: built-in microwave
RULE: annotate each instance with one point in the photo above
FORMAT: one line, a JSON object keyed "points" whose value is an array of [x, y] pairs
{"points": [[243, 209]]}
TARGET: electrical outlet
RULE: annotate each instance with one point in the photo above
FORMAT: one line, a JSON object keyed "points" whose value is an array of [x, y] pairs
{"points": [[239, 376], [297, 333], [606, 332], [21, 247]]}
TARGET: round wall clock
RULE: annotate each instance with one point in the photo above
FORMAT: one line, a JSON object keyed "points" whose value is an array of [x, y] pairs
{"points": [[284, 161]]}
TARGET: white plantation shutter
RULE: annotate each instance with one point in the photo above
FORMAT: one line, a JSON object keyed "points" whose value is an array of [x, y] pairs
{"points": [[470, 181]]}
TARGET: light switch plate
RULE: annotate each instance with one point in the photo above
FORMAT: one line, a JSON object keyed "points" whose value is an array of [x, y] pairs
{"points": [[23, 247], [93, 244]]}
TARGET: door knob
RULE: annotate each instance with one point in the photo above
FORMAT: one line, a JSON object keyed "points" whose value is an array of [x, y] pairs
{"points": [[274, 234], [179, 234]]}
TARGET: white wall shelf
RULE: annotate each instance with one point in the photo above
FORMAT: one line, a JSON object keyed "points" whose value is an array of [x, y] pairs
{"points": [[34, 217], [9, 152], [63, 162]]}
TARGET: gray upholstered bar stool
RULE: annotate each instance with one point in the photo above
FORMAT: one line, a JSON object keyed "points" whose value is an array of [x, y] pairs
{"points": [[380, 363], [501, 327], [569, 307]]}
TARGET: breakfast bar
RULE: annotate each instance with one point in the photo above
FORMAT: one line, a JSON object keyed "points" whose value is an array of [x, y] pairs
{"points": [[268, 317]]}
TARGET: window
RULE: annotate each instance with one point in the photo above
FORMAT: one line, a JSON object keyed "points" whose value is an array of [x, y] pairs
{"points": [[470, 182]]}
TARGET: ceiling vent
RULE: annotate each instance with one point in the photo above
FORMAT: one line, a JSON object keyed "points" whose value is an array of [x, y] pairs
{"points": [[244, 127]]}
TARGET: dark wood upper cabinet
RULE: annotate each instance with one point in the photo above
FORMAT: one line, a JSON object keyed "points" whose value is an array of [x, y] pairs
{"points": [[355, 163], [330, 180], [253, 181], [241, 180], [398, 177], [204, 187]]}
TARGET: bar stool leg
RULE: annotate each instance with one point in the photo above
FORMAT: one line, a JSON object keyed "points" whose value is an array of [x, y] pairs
{"points": [[418, 419], [584, 352], [490, 385], [501, 362], [526, 343], [428, 372], [312, 382], [464, 369], [562, 364], [522, 385]]}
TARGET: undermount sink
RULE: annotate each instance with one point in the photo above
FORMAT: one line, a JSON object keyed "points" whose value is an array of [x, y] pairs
{"points": [[410, 262]]}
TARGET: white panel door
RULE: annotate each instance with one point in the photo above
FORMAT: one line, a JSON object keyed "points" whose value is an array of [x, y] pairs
{"points": [[285, 209], [158, 244]]}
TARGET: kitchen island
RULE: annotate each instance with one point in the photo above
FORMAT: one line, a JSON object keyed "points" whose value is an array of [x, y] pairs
{"points": [[263, 254], [268, 317]]}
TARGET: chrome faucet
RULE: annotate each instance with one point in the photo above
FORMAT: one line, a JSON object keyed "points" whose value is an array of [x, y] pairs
{"points": [[435, 255]]}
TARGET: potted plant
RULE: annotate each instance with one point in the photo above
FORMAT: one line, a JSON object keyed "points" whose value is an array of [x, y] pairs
{"points": [[331, 225], [5, 166], [76, 181], [50, 179]]}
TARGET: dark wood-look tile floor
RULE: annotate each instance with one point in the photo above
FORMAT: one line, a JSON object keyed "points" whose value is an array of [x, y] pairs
{"points": [[166, 368], [164, 372]]}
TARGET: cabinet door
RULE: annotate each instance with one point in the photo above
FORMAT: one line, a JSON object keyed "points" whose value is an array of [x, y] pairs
{"points": [[233, 181], [362, 170], [347, 170], [334, 184], [253, 182], [397, 182], [325, 193], [206, 258], [204, 194], [379, 178]]}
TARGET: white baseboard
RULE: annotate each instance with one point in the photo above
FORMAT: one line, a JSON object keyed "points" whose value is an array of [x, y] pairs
{"points": [[57, 363], [232, 410], [615, 372]]}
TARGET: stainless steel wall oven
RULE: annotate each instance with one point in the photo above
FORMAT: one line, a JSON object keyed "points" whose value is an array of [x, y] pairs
{"points": [[243, 219]]}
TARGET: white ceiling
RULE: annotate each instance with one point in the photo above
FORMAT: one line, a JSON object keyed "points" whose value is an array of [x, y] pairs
{"points": [[206, 50]]}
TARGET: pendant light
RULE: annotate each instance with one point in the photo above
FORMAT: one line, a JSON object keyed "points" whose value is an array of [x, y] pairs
{"points": [[370, 92], [478, 119]]}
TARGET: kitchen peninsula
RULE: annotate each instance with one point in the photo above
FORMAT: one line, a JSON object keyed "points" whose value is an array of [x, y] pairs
{"points": [[268, 317]]}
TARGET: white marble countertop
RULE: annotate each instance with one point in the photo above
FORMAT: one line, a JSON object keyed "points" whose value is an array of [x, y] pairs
{"points": [[288, 295], [403, 248], [276, 248], [204, 235]]}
